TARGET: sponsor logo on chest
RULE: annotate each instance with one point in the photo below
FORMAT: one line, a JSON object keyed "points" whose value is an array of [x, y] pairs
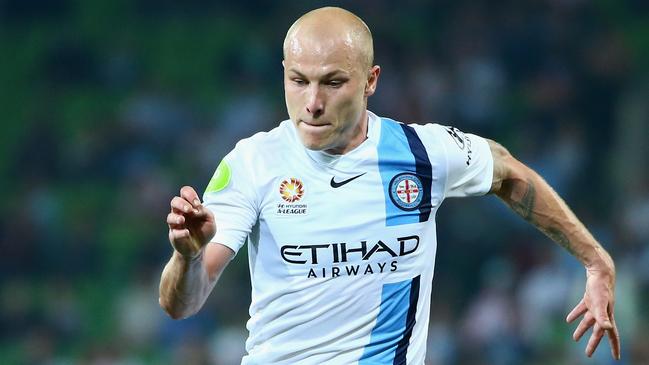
{"points": [[349, 258]]}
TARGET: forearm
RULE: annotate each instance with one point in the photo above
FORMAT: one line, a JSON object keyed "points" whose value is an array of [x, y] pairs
{"points": [[184, 286], [532, 198]]}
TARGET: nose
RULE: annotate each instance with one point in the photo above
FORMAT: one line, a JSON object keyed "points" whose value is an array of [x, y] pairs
{"points": [[315, 102]]}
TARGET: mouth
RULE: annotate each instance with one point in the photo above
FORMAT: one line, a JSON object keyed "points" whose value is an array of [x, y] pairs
{"points": [[311, 127], [314, 124]]}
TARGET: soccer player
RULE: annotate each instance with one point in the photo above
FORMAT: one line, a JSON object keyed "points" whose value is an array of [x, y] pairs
{"points": [[338, 208]]}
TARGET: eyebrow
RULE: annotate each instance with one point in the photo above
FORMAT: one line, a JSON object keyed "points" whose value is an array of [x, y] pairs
{"points": [[325, 76]]}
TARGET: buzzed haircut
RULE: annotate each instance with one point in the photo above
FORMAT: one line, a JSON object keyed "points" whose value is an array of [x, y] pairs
{"points": [[360, 32]]}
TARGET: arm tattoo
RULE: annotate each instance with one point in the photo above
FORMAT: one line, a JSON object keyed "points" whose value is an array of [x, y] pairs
{"points": [[559, 237], [525, 206]]}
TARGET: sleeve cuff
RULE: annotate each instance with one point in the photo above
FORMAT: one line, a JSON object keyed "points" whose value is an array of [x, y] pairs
{"points": [[228, 241]]}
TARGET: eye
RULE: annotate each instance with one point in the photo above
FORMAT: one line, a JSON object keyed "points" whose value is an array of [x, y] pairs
{"points": [[335, 83], [299, 82]]}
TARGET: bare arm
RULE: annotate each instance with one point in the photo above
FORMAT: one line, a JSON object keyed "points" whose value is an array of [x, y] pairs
{"points": [[186, 282], [525, 192], [191, 273]]}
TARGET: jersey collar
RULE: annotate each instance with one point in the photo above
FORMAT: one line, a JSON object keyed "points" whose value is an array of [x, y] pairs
{"points": [[373, 134]]}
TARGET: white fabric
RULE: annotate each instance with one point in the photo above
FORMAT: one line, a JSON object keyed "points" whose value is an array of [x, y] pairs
{"points": [[301, 311]]}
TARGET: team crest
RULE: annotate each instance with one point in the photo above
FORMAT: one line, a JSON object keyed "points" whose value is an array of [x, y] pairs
{"points": [[291, 191], [406, 191]]}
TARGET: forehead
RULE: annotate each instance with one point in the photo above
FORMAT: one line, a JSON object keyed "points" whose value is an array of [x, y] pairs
{"points": [[315, 53]]}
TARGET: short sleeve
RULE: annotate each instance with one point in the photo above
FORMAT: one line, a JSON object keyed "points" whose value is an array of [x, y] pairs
{"points": [[469, 162], [230, 197]]}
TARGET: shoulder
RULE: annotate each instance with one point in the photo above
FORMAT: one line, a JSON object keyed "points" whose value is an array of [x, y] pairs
{"points": [[432, 134], [437, 130], [447, 144], [264, 139], [261, 142], [449, 138], [429, 129], [250, 158], [391, 127]]}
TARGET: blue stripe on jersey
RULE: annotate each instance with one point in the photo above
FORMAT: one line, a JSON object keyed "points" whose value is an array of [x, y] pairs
{"points": [[402, 346], [423, 168], [394, 158], [400, 150], [391, 334]]}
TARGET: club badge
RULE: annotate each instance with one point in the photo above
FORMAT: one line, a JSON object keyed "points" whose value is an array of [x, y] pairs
{"points": [[405, 191]]}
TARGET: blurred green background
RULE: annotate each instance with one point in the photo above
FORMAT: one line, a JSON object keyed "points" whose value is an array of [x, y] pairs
{"points": [[108, 107]]}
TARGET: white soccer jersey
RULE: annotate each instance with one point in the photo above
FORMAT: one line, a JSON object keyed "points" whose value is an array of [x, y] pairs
{"points": [[342, 248]]}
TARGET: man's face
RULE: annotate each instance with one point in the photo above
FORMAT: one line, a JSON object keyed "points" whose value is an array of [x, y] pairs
{"points": [[326, 87]]}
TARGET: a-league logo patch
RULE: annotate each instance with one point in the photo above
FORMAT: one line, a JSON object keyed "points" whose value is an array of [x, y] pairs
{"points": [[291, 190], [405, 191]]}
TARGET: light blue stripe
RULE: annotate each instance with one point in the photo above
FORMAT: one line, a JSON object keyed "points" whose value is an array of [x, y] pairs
{"points": [[390, 324], [395, 157]]}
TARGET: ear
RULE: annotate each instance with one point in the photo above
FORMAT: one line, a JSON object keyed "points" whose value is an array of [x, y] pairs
{"points": [[283, 65], [372, 80]]}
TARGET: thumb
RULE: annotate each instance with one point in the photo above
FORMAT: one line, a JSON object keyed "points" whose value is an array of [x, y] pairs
{"points": [[202, 212]]}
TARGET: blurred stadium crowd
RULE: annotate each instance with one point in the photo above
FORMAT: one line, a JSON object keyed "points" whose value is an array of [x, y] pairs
{"points": [[108, 107]]}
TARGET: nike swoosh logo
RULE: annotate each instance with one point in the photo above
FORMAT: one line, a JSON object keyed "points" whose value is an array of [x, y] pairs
{"points": [[335, 184]]}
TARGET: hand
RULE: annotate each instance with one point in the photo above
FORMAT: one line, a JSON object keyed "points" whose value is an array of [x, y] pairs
{"points": [[191, 225], [597, 307]]}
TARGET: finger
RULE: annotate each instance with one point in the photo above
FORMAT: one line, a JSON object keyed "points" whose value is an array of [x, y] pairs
{"points": [[189, 194], [181, 205], [178, 234], [175, 226], [595, 338], [587, 322], [614, 341], [175, 219], [577, 311], [599, 307], [201, 212], [601, 314]]}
